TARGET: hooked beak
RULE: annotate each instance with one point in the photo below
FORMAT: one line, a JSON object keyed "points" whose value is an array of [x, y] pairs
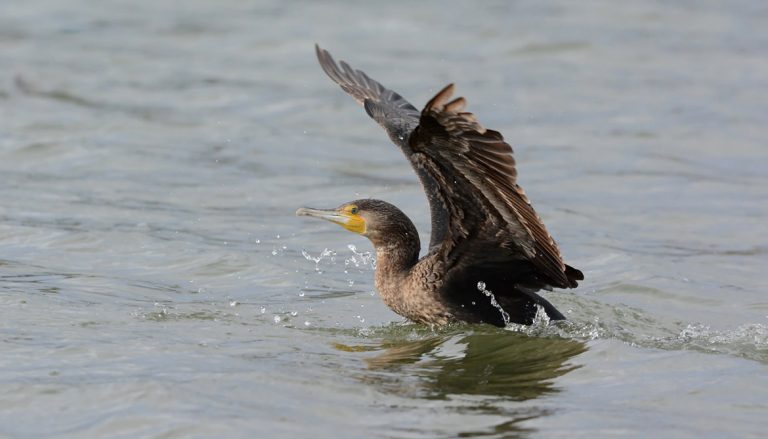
{"points": [[329, 215], [352, 222]]}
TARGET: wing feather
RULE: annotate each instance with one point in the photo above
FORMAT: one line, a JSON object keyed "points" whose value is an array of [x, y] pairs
{"points": [[389, 109], [485, 179], [479, 212], [398, 118]]}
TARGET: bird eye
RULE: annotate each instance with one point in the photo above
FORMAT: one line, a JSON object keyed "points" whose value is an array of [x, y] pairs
{"points": [[353, 210]]}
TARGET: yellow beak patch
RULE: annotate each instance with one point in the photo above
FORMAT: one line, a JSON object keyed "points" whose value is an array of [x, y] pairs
{"points": [[345, 216]]}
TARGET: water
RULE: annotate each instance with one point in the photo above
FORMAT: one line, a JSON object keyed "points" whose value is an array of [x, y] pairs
{"points": [[154, 281]]}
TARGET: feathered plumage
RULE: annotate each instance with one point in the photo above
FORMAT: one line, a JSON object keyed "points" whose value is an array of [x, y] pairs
{"points": [[484, 229]]}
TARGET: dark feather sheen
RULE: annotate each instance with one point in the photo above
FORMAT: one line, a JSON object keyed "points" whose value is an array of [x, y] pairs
{"points": [[483, 225]]}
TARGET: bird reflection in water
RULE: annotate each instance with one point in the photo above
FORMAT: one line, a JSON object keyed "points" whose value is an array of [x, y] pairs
{"points": [[496, 365]]}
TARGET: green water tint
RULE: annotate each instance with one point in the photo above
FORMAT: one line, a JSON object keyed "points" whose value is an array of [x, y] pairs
{"points": [[486, 362]]}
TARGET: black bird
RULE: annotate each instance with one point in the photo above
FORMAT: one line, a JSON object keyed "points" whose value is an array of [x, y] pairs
{"points": [[489, 251]]}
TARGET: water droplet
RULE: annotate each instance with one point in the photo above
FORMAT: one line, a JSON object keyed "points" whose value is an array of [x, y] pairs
{"points": [[301, 293], [306, 323], [323, 254], [495, 303], [359, 258]]}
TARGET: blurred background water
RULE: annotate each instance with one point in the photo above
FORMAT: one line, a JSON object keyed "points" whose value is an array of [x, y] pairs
{"points": [[155, 283]]}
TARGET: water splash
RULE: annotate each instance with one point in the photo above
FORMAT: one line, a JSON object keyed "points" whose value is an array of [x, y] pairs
{"points": [[329, 254], [591, 330], [755, 333], [749, 341], [746, 341], [495, 303], [359, 259]]}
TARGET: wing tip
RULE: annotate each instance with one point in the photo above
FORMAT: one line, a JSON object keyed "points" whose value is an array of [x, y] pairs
{"points": [[573, 275], [457, 105], [440, 98], [321, 53], [340, 73]]}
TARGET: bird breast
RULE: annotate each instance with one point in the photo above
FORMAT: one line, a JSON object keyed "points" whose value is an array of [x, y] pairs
{"points": [[413, 293]]}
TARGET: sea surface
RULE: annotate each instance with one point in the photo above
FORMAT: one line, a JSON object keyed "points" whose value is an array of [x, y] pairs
{"points": [[155, 282]]}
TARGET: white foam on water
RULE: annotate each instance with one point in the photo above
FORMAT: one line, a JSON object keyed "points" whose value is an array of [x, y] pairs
{"points": [[748, 340]]}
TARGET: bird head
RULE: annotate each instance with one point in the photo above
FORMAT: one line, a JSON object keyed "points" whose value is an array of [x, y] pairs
{"points": [[377, 220]]}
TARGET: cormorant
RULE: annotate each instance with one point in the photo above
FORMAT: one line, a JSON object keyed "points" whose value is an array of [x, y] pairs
{"points": [[489, 251]]}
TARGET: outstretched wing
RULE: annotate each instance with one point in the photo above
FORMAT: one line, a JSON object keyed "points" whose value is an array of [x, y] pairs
{"points": [[479, 213], [389, 109], [396, 115], [488, 212]]}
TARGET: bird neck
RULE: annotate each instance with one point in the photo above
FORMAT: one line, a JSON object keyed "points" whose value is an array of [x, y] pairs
{"points": [[394, 262], [398, 257], [397, 250]]}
